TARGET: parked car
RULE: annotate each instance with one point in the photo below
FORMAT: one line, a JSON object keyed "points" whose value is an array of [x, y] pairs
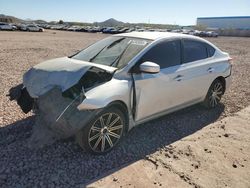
{"points": [[58, 27], [22, 27], [203, 34], [123, 30], [47, 26], [32, 27], [105, 90], [95, 29], [109, 30], [73, 28], [185, 31], [130, 30], [6, 26], [82, 29], [176, 31], [140, 30], [212, 34], [196, 33]]}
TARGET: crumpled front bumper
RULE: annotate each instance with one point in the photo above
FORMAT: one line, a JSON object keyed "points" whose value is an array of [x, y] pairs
{"points": [[61, 115]]}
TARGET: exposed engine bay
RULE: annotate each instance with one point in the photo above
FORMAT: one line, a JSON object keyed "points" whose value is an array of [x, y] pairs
{"points": [[92, 78]]}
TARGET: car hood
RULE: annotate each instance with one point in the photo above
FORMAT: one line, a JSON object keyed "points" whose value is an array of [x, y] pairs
{"points": [[61, 72]]}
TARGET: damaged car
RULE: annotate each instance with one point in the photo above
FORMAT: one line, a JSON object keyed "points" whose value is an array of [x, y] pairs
{"points": [[101, 92]]}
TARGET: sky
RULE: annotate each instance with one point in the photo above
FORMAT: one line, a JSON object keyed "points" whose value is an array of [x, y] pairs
{"points": [[179, 12]]}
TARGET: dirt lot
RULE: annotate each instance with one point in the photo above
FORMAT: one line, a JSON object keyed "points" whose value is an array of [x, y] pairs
{"points": [[64, 163], [204, 159]]}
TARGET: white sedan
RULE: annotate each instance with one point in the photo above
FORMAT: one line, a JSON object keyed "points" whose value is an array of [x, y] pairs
{"points": [[103, 91], [6, 26], [33, 28]]}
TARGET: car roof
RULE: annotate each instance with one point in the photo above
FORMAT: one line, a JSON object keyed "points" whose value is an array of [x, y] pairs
{"points": [[164, 35], [156, 35]]}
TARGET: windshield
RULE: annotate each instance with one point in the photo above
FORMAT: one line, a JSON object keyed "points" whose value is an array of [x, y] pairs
{"points": [[113, 51]]}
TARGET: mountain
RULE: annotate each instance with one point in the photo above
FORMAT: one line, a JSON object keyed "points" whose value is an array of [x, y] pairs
{"points": [[12, 19], [109, 23], [39, 21], [9, 19]]}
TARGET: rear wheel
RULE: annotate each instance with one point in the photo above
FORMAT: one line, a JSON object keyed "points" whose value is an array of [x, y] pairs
{"points": [[214, 94], [104, 132]]}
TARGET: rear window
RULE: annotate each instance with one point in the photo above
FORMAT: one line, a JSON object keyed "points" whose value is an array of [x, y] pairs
{"points": [[194, 51]]}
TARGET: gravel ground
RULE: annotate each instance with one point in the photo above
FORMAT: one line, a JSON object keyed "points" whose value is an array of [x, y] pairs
{"points": [[64, 164]]}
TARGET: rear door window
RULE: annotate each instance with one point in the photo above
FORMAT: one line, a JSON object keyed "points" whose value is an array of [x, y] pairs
{"points": [[194, 51], [165, 54]]}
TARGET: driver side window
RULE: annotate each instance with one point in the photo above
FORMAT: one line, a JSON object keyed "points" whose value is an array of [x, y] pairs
{"points": [[166, 54]]}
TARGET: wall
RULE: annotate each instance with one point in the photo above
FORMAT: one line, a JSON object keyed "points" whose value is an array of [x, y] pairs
{"points": [[225, 22]]}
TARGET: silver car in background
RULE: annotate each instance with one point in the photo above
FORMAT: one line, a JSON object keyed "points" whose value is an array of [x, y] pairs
{"points": [[8, 27], [103, 91], [33, 27]]}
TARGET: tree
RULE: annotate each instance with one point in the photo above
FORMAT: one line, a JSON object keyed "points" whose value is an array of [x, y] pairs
{"points": [[60, 22]]}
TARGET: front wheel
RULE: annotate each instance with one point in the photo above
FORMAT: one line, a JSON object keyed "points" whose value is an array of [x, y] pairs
{"points": [[104, 132], [214, 94]]}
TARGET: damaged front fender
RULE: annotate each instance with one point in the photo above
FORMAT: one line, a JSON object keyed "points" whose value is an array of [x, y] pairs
{"points": [[116, 90], [101, 96], [61, 115]]}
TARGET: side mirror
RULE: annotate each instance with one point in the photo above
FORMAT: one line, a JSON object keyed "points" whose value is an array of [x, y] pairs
{"points": [[150, 67]]}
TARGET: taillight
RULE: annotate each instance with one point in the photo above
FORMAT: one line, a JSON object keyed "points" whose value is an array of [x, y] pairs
{"points": [[230, 60]]}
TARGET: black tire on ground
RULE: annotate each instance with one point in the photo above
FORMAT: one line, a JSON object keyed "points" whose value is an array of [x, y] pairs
{"points": [[103, 132], [214, 94]]}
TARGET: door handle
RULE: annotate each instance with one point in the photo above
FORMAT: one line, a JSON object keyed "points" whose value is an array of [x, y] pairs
{"points": [[178, 78], [210, 70]]}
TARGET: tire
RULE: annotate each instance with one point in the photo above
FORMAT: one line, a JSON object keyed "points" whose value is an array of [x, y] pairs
{"points": [[103, 132], [214, 94]]}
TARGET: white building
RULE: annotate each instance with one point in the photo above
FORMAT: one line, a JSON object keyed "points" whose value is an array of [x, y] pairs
{"points": [[237, 22]]}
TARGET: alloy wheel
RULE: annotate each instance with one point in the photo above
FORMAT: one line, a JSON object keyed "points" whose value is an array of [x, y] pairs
{"points": [[105, 132], [216, 93]]}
